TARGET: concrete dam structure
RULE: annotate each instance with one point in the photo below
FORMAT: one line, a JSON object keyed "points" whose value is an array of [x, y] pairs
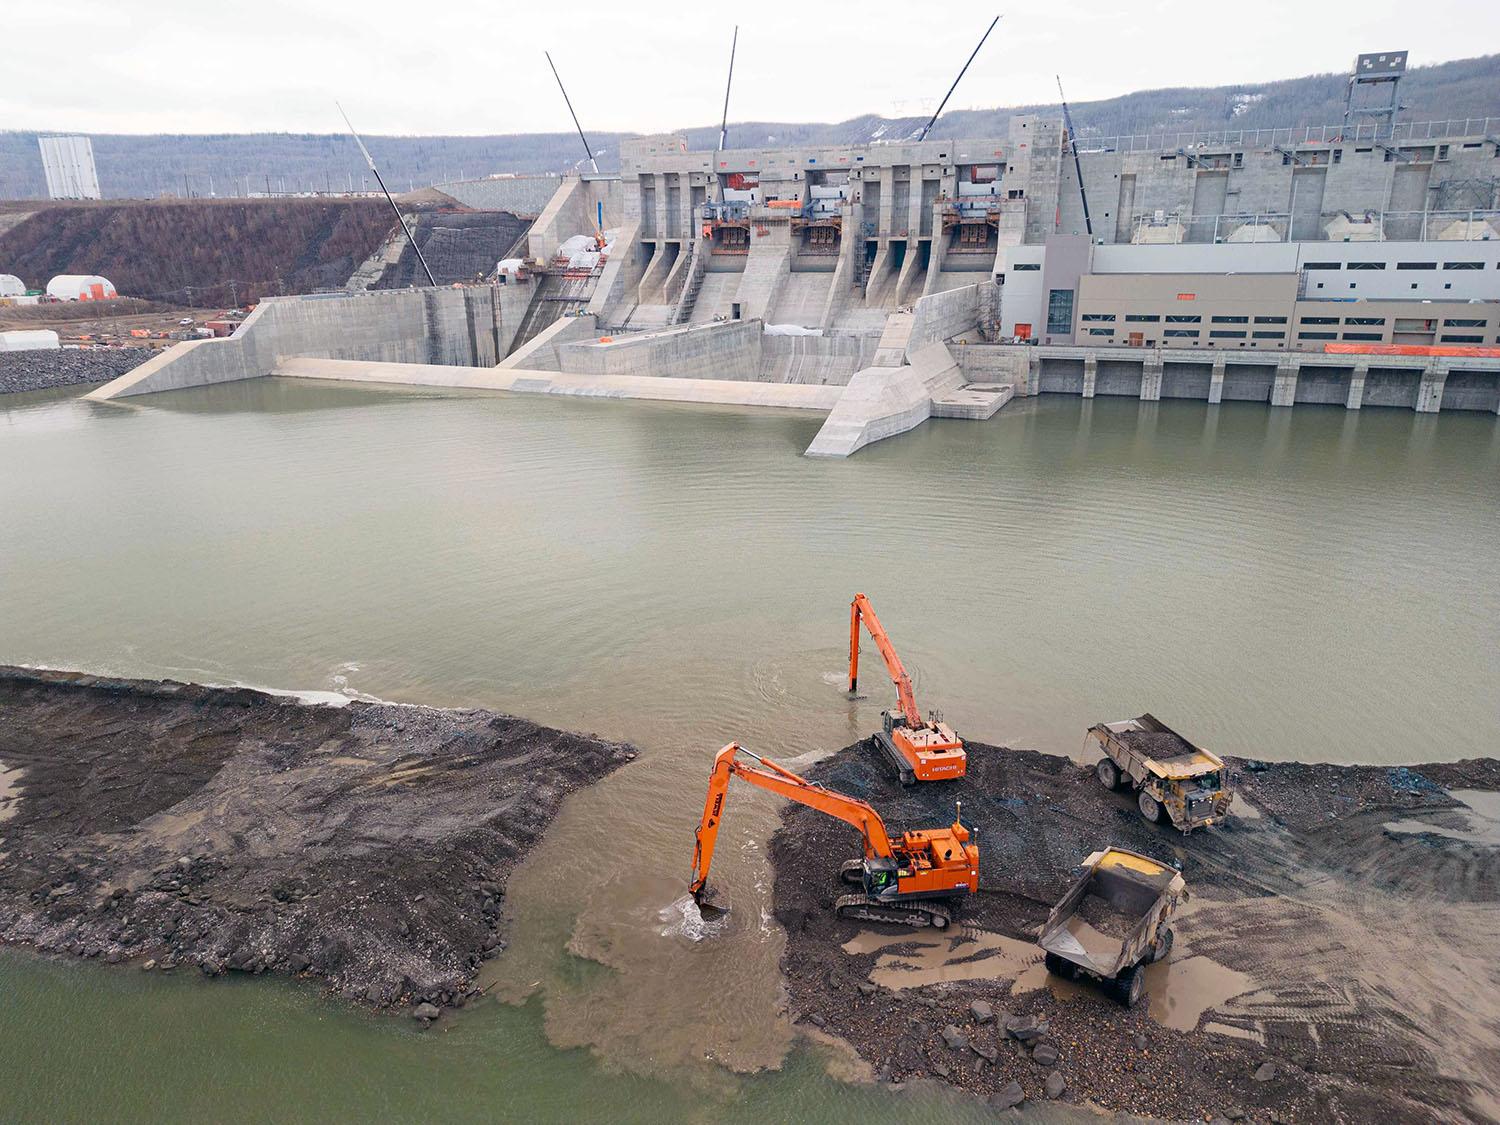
{"points": [[885, 284]]}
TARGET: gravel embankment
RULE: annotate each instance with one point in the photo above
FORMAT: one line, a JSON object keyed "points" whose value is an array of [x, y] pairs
{"points": [[364, 846], [66, 367]]}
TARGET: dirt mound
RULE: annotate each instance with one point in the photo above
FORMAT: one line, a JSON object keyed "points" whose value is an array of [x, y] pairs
{"points": [[1279, 995], [366, 845]]}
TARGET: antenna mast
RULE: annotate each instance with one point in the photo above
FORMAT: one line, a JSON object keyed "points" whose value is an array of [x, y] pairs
{"points": [[1088, 224], [926, 128], [400, 218], [590, 152], [724, 123]]}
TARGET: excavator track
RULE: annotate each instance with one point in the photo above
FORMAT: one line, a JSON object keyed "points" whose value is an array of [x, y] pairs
{"points": [[915, 914], [853, 872], [887, 746]]}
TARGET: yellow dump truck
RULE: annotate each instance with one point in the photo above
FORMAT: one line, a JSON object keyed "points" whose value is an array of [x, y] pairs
{"points": [[1113, 921], [1168, 773]]}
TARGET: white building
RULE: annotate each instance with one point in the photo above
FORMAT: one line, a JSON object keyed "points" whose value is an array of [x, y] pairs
{"points": [[11, 285], [80, 287], [69, 165]]}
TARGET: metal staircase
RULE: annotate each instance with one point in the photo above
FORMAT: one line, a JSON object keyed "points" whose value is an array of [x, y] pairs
{"points": [[688, 298]]}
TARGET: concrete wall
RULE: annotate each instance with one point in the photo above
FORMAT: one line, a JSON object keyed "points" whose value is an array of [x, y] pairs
{"points": [[728, 350], [814, 359], [942, 316], [435, 326]]}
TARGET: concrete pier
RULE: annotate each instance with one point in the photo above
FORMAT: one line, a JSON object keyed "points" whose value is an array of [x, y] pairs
{"points": [[1151, 376], [1216, 382]]}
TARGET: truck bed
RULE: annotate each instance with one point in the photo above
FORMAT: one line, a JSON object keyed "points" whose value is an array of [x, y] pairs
{"points": [[1102, 922]]}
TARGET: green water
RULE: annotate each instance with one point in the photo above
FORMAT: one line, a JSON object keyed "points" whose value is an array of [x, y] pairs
{"points": [[1306, 583]]}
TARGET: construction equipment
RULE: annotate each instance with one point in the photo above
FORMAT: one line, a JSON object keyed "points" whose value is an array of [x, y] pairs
{"points": [[939, 111], [900, 881], [1166, 770], [918, 749], [1113, 921]]}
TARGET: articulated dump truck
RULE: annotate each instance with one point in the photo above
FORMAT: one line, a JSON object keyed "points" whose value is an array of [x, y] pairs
{"points": [[1168, 773], [1113, 922]]}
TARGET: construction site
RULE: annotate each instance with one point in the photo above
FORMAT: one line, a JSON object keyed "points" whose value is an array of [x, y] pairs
{"points": [[1163, 790]]}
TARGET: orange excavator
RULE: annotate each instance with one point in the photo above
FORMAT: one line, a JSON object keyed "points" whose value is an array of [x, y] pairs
{"points": [[900, 881], [919, 749]]}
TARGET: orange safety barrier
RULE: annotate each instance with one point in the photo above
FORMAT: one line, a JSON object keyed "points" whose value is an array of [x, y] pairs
{"points": [[1412, 349]]}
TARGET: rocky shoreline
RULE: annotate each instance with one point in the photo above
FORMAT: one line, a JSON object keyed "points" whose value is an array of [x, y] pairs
{"points": [[1335, 962], [66, 367], [365, 846]]}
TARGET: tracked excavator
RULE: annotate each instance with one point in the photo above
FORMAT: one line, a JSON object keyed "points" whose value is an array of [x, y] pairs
{"points": [[918, 749], [901, 881]]}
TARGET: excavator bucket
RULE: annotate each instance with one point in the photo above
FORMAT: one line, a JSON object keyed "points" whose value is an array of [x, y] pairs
{"points": [[712, 903]]}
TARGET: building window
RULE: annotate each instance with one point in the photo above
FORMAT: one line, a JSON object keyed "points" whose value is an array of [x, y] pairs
{"points": [[1270, 320], [1180, 332], [1463, 322], [1268, 335], [1143, 318], [1239, 160], [1019, 266], [1320, 265], [1320, 320], [1362, 336], [1366, 265], [1106, 318], [1231, 320], [1101, 331], [1368, 320], [1416, 265], [1453, 339], [1183, 318], [1060, 312], [1227, 334], [1463, 265], [1338, 155], [1317, 335]]}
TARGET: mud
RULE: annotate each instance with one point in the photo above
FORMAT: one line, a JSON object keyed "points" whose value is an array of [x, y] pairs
{"points": [[365, 846], [1345, 936]]}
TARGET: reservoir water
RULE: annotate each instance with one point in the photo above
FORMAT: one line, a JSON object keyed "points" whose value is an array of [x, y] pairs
{"points": [[1306, 584]]}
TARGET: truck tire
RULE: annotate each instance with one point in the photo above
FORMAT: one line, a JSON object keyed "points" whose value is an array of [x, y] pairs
{"points": [[1163, 945], [1150, 807], [1126, 988], [1060, 967], [1108, 774]]}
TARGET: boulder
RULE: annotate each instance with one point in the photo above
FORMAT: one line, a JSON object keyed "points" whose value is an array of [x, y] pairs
{"points": [[981, 1011], [989, 1054], [1008, 1098], [1056, 1084], [1265, 1072], [426, 1011], [1045, 1054], [955, 1039]]}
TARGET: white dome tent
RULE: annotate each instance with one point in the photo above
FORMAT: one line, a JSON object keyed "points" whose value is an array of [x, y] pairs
{"points": [[80, 287], [11, 285]]}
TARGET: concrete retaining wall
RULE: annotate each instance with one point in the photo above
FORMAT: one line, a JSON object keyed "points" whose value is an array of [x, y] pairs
{"points": [[941, 316], [814, 359], [729, 350], [540, 353], [441, 326]]}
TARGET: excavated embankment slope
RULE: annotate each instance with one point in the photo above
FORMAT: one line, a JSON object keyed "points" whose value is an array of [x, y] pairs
{"points": [[1345, 935], [367, 846]]}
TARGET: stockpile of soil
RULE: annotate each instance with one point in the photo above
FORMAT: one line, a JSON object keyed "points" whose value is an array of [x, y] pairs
{"points": [[66, 367], [1302, 910], [367, 846], [1159, 744]]}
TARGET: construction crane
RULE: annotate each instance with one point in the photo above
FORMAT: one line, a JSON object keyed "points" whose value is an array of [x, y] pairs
{"points": [[1083, 195], [933, 119], [900, 881], [919, 749]]}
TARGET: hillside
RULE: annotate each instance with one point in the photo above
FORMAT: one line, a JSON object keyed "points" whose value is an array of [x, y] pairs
{"points": [[202, 252], [147, 166]]}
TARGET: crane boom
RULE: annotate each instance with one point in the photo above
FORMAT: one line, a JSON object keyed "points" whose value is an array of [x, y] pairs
{"points": [[861, 610], [784, 782]]}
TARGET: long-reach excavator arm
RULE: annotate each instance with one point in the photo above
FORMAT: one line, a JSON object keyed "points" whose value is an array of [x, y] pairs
{"points": [[899, 879], [860, 609], [770, 776], [919, 749]]}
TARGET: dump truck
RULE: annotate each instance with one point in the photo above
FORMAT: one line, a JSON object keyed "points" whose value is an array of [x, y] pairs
{"points": [[1167, 772], [1113, 921]]}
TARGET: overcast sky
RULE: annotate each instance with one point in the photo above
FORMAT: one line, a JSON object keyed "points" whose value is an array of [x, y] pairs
{"points": [[463, 66]]}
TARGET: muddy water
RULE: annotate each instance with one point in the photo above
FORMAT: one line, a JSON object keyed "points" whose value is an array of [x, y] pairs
{"points": [[1276, 583]]}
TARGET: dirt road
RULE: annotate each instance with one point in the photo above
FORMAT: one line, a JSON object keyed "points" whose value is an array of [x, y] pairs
{"points": [[1336, 962], [367, 846]]}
